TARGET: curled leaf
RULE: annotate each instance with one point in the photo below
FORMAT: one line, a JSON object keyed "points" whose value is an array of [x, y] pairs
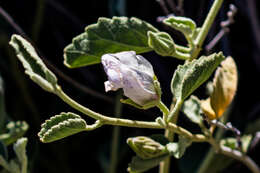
{"points": [[61, 126], [34, 66], [182, 24], [224, 86]]}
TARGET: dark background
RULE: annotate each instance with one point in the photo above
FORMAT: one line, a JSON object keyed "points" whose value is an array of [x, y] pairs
{"points": [[54, 28]]}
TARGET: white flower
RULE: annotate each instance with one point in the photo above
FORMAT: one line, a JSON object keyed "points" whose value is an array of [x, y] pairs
{"points": [[131, 72]]}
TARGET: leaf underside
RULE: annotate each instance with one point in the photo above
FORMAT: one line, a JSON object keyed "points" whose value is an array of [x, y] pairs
{"points": [[34, 66]]}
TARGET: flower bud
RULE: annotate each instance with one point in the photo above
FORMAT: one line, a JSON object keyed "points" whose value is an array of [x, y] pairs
{"points": [[145, 147], [133, 73]]}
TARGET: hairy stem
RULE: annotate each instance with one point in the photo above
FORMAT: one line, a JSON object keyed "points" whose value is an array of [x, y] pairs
{"points": [[205, 27], [126, 122], [165, 165]]}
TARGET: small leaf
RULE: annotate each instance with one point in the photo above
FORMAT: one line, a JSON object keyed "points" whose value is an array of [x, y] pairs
{"points": [[178, 149], [246, 140], [162, 43], [190, 76], [224, 86], [108, 36], [230, 143], [182, 24], [139, 165], [61, 126], [15, 130], [34, 66], [20, 151], [191, 109], [233, 143]]}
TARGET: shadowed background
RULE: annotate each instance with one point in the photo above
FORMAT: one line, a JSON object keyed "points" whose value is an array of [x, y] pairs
{"points": [[51, 25]]}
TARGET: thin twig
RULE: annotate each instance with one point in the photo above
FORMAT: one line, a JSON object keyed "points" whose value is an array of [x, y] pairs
{"points": [[163, 6], [229, 127], [172, 5], [76, 84], [224, 27], [180, 7]]}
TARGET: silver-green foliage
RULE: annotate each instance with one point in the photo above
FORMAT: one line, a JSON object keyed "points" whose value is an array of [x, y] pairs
{"points": [[61, 126], [18, 164], [107, 36], [34, 66]]}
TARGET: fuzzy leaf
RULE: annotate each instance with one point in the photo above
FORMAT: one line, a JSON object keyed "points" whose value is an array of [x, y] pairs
{"points": [[15, 130], [108, 36], [20, 151], [34, 66], [233, 143], [139, 165], [182, 24], [191, 109], [162, 43], [178, 149], [224, 86], [61, 126], [190, 76]]}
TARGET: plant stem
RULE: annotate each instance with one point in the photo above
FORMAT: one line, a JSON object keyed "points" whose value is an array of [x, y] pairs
{"points": [[205, 27], [125, 122], [163, 109], [115, 136], [235, 154], [165, 165], [174, 112]]}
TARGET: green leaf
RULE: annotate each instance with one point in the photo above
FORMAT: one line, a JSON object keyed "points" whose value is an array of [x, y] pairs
{"points": [[15, 131], [20, 151], [229, 142], [233, 143], [182, 24], [139, 165], [61, 126], [191, 109], [162, 43], [178, 149], [246, 141], [108, 36], [34, 66], [188, 77]]}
